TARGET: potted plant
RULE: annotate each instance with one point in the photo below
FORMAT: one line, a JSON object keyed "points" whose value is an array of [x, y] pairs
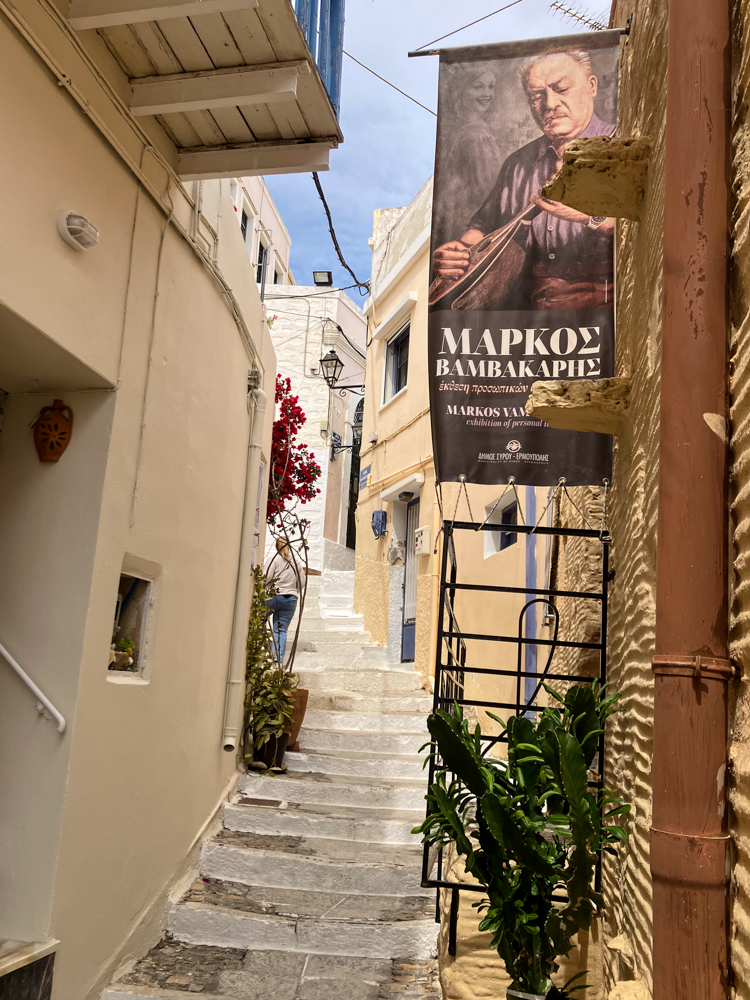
{"points": [[269, 690], [527, 827]]}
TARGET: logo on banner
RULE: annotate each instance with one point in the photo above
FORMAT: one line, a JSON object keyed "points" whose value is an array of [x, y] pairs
{"points": [[513, 446]]}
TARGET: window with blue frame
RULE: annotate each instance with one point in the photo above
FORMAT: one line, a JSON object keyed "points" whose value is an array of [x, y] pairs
{"points": [[396, 364], [509, 516]]}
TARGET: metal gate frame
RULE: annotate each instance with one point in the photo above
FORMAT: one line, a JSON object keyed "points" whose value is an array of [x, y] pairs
{"points": [[449, 677]]}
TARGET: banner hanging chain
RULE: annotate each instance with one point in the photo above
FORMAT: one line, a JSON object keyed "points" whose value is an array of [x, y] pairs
{"points": [[585, 519], [462, 481], [560, 484], [507, 487]]}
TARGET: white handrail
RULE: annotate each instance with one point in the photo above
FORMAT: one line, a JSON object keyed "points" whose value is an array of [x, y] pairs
{"points": [[44, 706]]}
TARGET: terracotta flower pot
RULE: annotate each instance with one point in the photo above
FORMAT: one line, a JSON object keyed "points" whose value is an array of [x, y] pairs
{"points": [[298, 715]]}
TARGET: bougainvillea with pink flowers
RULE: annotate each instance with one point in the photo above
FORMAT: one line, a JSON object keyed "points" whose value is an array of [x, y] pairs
{"points": [[294, 470]]}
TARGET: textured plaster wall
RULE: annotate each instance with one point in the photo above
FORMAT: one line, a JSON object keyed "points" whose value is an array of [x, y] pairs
{"points": [[740, 491], [627, 925]]}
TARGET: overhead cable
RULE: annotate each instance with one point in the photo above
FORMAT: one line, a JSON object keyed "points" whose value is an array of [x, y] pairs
{"points": [[392, 85], [469, 25], [361, 285]]}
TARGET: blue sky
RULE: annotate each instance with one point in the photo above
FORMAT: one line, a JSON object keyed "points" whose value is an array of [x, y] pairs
{"points": [[389, 144]]}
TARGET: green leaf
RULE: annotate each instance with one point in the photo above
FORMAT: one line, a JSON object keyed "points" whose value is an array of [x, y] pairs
{"points": [[456, 755]]}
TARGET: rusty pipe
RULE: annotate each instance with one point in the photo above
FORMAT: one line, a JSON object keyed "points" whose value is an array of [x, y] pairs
{"points": [[689, 840]]}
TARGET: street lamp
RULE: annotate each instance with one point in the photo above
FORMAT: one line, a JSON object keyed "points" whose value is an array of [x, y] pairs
{"points": [[337, 447], [331, 366], [323, 279]]}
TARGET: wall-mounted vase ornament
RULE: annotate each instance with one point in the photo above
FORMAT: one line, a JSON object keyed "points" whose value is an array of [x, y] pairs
{"points": [[52, 429]]}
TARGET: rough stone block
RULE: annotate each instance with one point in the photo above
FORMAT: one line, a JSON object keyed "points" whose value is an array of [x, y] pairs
{"points": [[581, 405], [603, 176]]}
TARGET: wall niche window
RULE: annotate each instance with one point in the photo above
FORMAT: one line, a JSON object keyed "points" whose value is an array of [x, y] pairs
{"points": [[396, 364], [505, 517], [130, 628]]}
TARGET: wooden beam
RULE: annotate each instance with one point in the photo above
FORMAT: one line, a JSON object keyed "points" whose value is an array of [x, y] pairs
{"points": [[86, 14], [253, 159], [223, 88]]}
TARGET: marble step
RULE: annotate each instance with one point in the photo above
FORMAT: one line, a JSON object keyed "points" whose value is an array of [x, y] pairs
{"points": [[278, 817], [231, 915], [313, 633], [375, 766], [231, 974], [324, 740], [378, 682], [366, 658], [363, 704], [329, 645], [298, 786], [309, 863], [350, 722]]}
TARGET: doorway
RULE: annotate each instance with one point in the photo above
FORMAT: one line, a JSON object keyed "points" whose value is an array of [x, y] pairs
{"points": [[408, 628]]}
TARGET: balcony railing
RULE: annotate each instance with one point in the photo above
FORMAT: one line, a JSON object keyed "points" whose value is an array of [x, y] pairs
{"points": [[322, 22]]}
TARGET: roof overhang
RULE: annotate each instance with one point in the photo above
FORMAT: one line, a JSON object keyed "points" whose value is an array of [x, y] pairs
{"points": [[232, 82]]}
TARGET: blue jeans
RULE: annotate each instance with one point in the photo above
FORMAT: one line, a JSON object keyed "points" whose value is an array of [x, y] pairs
{"points": [[282, 607]]}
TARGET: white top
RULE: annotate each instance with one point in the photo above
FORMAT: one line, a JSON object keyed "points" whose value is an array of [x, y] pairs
{"points": [[282, 575]]}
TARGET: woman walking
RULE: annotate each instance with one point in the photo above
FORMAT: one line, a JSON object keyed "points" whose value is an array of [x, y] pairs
{"points": [[282, 576]]}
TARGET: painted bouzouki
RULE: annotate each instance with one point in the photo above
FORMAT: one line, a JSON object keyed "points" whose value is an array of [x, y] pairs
{"points": [[495, 265]]}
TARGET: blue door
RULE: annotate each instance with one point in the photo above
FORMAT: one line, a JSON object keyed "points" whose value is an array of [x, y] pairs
{"points": [[408, 628]]}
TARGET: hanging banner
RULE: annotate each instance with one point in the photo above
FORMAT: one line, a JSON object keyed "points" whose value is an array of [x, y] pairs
{"points": [[521, 288]]}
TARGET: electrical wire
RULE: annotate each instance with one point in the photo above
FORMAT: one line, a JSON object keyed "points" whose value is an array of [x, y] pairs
{"points": [[312, 295], [360, 284], [392, 85], [470, 25]]}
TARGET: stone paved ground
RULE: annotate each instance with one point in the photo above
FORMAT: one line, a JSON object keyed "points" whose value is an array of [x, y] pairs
{"points": [[270, 975]]}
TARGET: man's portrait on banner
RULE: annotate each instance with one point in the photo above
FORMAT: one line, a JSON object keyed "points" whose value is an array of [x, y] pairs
{"points": [[506, 246]]}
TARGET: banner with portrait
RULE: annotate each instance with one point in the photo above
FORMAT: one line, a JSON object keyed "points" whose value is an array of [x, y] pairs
{"points": [[521, 288]]}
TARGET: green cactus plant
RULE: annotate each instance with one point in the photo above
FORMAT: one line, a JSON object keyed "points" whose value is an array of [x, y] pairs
{"points": [[527, 826]]}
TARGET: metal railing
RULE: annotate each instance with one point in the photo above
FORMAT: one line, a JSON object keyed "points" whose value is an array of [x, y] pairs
{"points": [[43, 705], [452, 668], [322, 22]]}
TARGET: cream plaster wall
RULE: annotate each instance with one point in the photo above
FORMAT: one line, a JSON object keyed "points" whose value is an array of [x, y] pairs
{"points": [[98, 822]]}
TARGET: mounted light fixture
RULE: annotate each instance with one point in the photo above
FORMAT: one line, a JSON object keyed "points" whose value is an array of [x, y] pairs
{"points": [[323, 278], [76, 230], [331, 367]]}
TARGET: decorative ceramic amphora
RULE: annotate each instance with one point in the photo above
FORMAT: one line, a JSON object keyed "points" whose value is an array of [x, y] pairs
{"points": [[52, 429]]}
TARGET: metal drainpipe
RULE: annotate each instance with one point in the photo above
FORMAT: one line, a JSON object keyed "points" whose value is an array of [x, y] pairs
{"points": [[236, 671], [689, 840]]}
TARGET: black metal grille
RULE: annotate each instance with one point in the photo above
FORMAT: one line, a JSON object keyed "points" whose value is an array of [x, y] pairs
{"points": [[452, 669]]}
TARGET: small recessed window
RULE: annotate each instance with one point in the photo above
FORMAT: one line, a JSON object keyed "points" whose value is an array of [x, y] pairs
{"points": [[129, 631], [504, 517], [508, 516], [243, 224], [396, 364]]}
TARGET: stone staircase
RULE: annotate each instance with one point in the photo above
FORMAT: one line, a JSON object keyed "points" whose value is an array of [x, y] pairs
{"points": [[312, 888]]}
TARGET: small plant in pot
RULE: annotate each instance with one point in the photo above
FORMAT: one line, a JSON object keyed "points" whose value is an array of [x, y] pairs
{"points": [[269, 691], [528, 827]]}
